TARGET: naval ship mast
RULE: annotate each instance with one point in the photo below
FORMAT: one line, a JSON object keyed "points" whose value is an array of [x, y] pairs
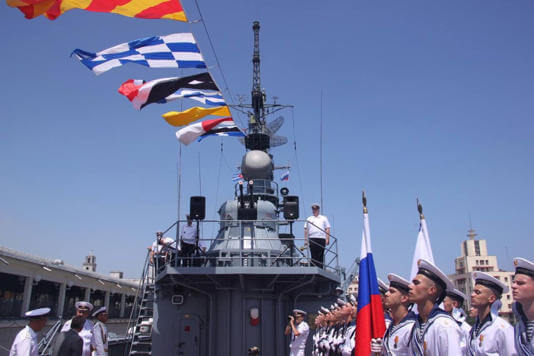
{"points": [[236, 294]]}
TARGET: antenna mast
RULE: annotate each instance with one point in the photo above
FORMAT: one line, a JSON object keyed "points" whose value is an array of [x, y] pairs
{"points": [[257, 95]]}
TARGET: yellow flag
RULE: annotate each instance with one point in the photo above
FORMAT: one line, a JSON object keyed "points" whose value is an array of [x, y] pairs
{"points": [[180, 118]]}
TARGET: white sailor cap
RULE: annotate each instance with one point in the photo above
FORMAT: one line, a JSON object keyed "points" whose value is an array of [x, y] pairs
{"points": [[320, 312], [352, 299], [399, 283], [430, 270], [491, 282], [325, 310], [456, 295], [37, 312], [341, 302], [382, 287], [84, 306], [299, 311], [333, 307], [524, 266], [315, 205], [99, 310]]}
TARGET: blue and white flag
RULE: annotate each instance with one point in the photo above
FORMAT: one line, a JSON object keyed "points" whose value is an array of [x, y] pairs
{"points": [[211, 98], [226, 127], [285, 176], [178, 50]]}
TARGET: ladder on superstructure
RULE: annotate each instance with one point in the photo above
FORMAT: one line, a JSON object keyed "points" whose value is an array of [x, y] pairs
{"points": [[141, 317]]}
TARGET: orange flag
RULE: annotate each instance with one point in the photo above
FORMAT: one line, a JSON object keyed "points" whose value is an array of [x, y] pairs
{"points": [[146, 9]]}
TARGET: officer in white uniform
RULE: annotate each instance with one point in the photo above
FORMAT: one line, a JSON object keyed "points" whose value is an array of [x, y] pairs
{"points": [[83, 309], [188, 241], [299, 332], [523, 293], [25, 343], [453, 304], [100, 332], [434, 332], [347, 347], [491, 334], [397, 336], [317, 231]]}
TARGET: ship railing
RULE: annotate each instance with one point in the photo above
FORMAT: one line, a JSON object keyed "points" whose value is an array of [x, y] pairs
{"points": [[244, 249]]}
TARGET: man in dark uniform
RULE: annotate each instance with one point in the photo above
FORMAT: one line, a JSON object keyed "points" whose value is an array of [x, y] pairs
{"points": [[69, 343]]}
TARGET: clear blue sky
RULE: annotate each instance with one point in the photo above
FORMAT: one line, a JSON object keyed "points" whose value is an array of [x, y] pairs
{"points": [[421, 99]]}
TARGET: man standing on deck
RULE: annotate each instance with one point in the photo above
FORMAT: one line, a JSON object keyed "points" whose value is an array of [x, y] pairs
{"points": [[299, 330], [523, 293], [25, 343], [434, 332], [491, 334], [100, 332], [188, 239], [317, 235], [82, 310]]}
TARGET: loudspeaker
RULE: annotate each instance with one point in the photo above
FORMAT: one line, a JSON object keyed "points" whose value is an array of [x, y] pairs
{"points": [[291, 207], [197, 208]]}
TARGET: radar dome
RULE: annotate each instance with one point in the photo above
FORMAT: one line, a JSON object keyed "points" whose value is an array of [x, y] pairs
{"points": [[257, 164]]}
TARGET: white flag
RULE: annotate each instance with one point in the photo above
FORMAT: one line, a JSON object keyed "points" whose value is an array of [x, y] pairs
{"points": [[422, 248]]}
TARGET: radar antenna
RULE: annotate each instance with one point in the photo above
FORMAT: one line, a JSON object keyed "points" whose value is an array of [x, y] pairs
{"points": [[260, 134]]}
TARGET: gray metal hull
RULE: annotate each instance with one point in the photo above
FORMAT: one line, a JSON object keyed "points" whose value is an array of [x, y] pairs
{"points": [[214, 318]]}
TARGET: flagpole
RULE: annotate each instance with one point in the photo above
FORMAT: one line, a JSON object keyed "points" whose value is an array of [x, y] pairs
{"points": [[420, 209], [364, 202], [321, 151], [199, 175], [179, 163]]}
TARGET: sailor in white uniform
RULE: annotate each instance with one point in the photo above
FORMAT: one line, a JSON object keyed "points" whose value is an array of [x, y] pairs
{"points": [[523, 293], [397, 336], [383, 288], [25, 343], [434, 332], [83, 309], [319, 322], [323, 343], [100, 332], [491, 334], [299, 330], [347, 347], [453, 304]]}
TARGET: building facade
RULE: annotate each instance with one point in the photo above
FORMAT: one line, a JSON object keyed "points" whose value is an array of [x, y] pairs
{"points": [[474, 257]]}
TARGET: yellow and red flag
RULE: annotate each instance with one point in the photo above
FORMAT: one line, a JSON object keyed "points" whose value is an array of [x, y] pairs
{"points": [[180, 118], [146, 9]]}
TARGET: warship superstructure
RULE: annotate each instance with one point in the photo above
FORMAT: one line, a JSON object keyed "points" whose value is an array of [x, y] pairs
{"points": [[238, 293]]}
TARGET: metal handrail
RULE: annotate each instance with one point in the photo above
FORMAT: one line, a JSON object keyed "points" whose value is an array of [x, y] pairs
{"points": [[46, 341], [137, 305]]}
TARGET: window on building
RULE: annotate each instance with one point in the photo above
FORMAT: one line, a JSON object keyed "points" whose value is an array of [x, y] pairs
{"points": [[477, 248], [508, 296], [72, 295], [465, 248], [506, 279], [115, 305], [11, 295], [487, 262], [129, 304], [45, 294], [98, 298]]}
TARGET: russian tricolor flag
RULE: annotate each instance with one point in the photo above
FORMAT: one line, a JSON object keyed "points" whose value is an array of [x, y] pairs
{"points": [[370, 322]]}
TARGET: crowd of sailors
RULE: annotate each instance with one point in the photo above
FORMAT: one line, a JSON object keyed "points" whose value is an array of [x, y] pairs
{"points": [[425, 316]]}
